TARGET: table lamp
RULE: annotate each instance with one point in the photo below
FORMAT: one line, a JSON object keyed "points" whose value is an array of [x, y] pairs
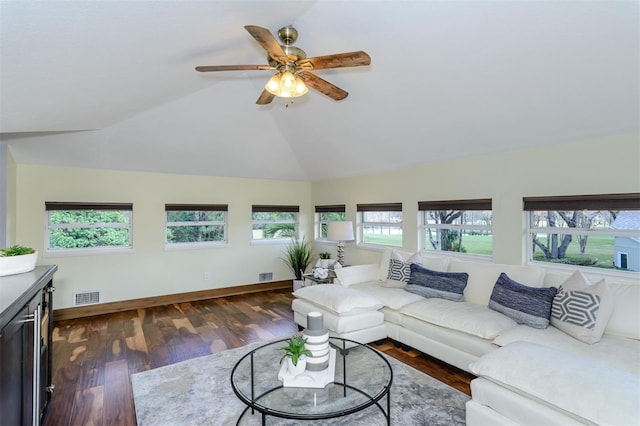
{"points": [[340, 232]]}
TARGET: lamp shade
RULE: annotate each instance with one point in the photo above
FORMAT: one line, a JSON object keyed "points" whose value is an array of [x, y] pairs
{"points": [[340, 231]]}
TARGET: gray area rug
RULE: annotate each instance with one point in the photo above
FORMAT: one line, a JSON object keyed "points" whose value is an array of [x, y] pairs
{"points": [[198, 392]]}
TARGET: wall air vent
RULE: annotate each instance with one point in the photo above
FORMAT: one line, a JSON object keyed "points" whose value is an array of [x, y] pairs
{"points": [[265, 276], [86, 298]]}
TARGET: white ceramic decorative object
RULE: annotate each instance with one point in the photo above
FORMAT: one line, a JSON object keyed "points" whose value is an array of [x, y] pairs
{"points": [[321, 273], [321, 365], [309, 379], [294, 370], [11, 265], [317, 338]]}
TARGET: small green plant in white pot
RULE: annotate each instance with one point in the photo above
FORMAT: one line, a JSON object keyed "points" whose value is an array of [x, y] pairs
{"points": [[296, 354], [17, 259], [324, 259]]}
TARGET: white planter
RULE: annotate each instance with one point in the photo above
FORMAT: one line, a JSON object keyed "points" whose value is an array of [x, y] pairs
{"points": [[294, 370], [324, 263], [10, 265], [298, 284]]}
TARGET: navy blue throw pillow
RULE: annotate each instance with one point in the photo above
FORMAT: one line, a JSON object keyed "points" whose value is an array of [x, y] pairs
{"points": [[443, 285], [525, 305]]}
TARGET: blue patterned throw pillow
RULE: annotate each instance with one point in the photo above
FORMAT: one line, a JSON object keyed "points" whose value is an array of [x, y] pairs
{"points": [[442, 285], [525, 305]]}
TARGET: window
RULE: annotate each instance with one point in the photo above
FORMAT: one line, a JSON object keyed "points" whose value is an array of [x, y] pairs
{"points": [[73, 227], [326, 214], [195, 224], [380, 224], [274, 222], [462, 226], [601, 231]]}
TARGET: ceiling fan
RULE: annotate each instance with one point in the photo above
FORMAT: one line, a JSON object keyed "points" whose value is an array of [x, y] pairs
{"points": [[294, 68]]}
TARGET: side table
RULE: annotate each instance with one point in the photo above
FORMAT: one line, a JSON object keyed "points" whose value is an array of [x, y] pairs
{"points": [[309, 279]]}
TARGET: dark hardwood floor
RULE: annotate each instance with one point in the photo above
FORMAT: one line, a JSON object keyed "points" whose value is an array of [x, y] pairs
{"points": [[94, 356]]}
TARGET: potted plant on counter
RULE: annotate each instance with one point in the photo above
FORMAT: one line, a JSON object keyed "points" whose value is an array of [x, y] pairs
{"points": [[17, 259], [298, 257]]}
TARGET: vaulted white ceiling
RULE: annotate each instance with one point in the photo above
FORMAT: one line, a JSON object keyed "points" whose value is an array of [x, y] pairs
{"points": [[111, 84]]}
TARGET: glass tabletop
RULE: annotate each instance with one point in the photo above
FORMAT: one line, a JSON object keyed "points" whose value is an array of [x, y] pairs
{"points": [[362, 377]]}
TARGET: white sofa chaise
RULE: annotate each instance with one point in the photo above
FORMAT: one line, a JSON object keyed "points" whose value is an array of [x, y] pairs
{"points": [[524, 375]]}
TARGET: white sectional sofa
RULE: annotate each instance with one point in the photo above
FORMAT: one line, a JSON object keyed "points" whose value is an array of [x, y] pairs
{"points": [[525, 375]]}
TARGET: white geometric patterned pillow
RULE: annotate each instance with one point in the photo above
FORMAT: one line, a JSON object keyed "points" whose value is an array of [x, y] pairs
{"points": [[583, 314], [399, 268]]}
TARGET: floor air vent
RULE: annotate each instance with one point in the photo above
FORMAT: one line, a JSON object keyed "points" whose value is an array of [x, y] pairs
{"points": [[86, 298], [265, 276]]}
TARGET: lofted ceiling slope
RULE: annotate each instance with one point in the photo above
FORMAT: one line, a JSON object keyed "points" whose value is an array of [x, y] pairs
{"points": [[111, 84]]}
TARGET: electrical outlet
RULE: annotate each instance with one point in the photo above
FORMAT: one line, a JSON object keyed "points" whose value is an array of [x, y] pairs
{"points": [[206, 276]]}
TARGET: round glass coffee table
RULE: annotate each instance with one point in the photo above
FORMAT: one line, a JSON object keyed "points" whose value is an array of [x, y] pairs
{"points": [[362, 378]]}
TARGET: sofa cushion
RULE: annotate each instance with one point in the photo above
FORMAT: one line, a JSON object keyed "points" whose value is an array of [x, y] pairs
{"points": [[618, 352], [334, 322], [443, 285], [414, 332], [466, 317], [483, 275], [337, 299], [394, 298], [582, 310], [526, 305], [591, 390], [357, 274], [625, 319]]}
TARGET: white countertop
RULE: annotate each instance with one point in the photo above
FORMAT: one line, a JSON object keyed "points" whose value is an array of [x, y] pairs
{"points": [[14, 286]]}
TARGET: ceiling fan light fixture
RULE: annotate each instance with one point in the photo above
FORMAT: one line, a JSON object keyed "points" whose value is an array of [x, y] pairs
{"points": [[287, 81], [286, 85], [273, 85]]}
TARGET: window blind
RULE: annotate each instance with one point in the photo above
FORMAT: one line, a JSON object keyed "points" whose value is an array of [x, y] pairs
{"points": [[629, 201], [476, 204]]}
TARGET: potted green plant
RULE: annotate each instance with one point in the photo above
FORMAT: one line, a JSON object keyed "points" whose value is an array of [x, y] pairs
{"points": [[298, 257], [324, 259], [296, 354], [17, 259]]}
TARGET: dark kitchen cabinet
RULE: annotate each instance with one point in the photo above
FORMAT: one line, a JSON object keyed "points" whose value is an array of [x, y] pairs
{"points": [[26, 327]]}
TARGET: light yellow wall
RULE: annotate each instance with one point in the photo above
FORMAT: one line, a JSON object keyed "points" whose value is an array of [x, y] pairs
{"points": [[610, 165], [10, 199], [151, 270], [603, 166]]}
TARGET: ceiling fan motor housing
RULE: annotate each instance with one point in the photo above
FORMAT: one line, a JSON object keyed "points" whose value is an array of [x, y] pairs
{"points": [[288, 34]]}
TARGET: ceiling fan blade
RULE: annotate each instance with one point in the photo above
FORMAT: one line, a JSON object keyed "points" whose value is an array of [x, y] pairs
{"points": [[268, 42], [339, 60], [322, 86], [265, 98], [207, 68]]}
